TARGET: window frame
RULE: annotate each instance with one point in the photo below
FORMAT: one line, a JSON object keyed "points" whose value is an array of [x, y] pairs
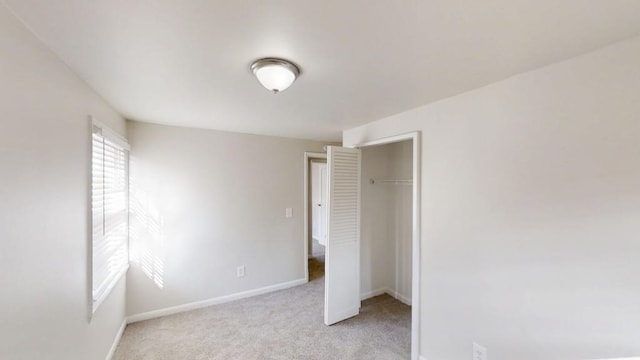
{"points": [[99, 128]]}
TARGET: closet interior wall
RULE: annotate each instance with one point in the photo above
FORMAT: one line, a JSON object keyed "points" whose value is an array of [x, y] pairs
{"points": [[386, 221]]}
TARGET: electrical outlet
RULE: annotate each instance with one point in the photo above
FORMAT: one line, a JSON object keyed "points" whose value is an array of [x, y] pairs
{"points": [[240, 271], [479, 352], [288, 212]]}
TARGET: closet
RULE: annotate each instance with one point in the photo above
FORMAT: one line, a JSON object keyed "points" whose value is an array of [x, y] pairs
{"points": [[386, 220]]}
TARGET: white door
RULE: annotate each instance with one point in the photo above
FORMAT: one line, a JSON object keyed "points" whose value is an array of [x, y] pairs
{"points": [[323, 205], [316, 201], [342, 268]]}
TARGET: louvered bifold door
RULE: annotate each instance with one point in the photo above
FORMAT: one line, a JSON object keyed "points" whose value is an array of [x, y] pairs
{"points": [[342, 269]]}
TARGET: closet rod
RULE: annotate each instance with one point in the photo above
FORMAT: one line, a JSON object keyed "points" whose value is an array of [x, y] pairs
{"points": [[391, 181]]}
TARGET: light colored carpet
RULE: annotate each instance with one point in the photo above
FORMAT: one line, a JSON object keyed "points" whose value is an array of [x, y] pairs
{"points": [[287, 324]]}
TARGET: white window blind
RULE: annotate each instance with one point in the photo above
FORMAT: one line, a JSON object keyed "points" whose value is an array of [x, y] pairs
{"points": [[110, 211]]}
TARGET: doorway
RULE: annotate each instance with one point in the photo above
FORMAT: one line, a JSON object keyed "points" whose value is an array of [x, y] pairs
{"points": [[415, 139], [391, 226], [386, 215], [318, 204], [315, 192]]}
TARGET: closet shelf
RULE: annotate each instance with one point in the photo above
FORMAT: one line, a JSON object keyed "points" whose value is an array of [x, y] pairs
{"points": [[391, 181]]}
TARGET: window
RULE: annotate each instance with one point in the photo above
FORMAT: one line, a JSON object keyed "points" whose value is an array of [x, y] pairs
{"points": [[110, 211]]}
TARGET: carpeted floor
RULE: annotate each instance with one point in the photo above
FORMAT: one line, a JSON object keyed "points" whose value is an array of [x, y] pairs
{"points": [[287, 324]]}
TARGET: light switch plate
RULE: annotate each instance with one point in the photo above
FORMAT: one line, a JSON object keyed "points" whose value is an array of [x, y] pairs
{"points": [[479, 352], [288, 212], [240, 271]]}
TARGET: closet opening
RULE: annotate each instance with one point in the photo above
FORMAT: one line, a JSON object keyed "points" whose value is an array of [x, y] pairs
{"points": [[386, 248], [371, 267], [386, 221], [390, 228]]}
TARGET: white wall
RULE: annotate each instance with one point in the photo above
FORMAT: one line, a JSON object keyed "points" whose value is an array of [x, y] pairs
{"points": [[386, 230], [205, 202], [530, 206], [45, 143]]}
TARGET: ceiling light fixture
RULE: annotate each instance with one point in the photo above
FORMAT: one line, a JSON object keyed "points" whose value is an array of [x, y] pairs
{"points": [[275, 74]]}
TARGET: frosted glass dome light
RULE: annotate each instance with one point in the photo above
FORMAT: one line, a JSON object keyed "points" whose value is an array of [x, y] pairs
{"points": [[275, 74]]}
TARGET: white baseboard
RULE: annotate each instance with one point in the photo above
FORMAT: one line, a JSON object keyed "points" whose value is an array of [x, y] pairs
{"points": [[392, 293], [374, 293], [116, 341], [214, 301], [422, 357], [399, 297]]}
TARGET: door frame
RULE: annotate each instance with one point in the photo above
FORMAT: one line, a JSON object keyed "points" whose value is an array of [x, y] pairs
{"points": [[308, 156], [415, 248]]}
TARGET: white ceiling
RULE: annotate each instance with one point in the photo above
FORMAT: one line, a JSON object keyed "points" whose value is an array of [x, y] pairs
{"points": [[186, 62]]}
